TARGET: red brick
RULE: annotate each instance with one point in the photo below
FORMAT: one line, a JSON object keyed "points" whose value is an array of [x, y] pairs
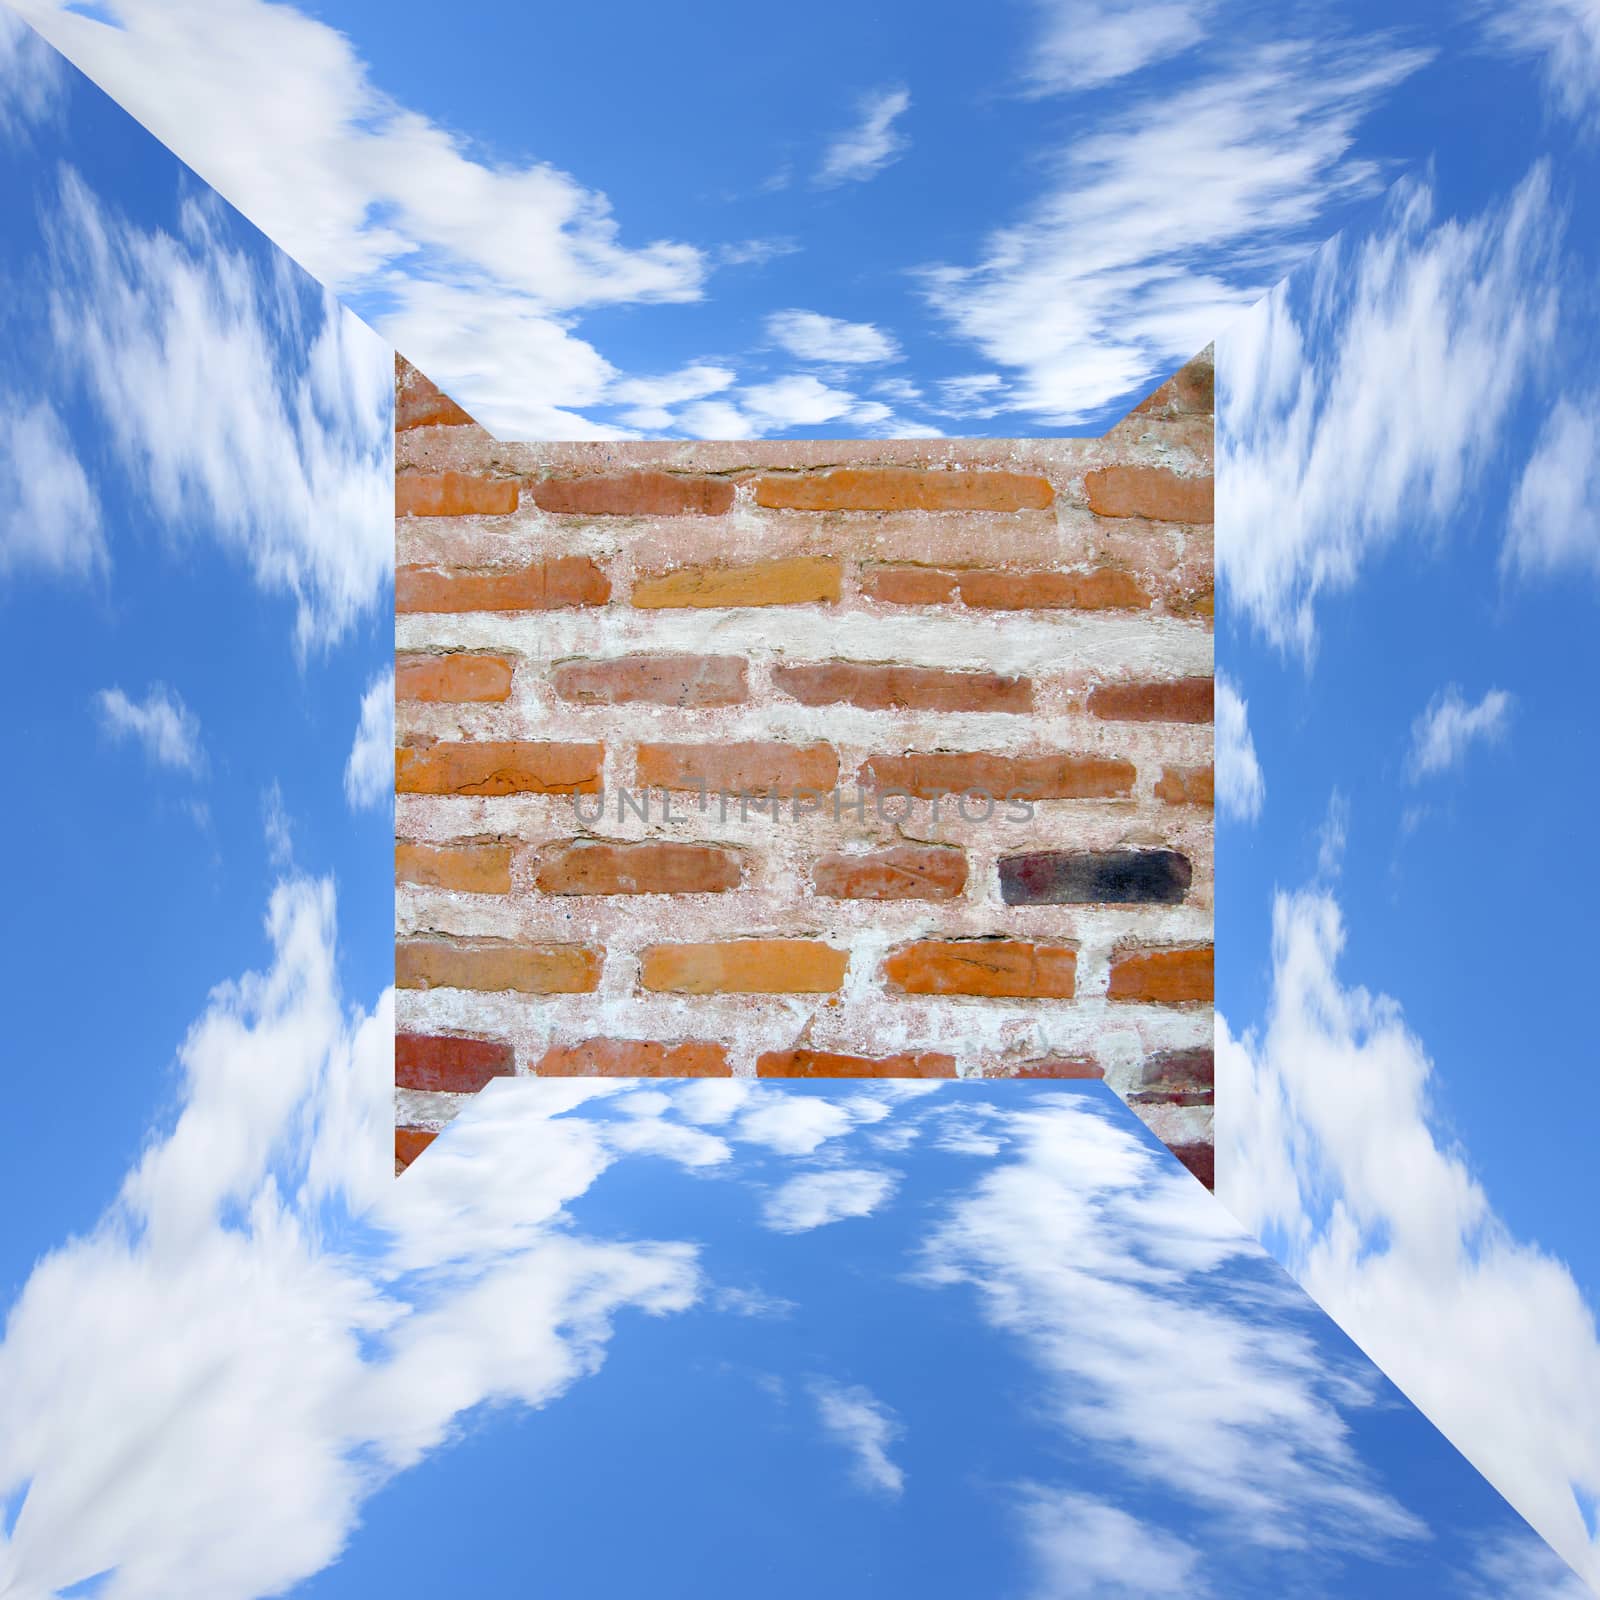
{"points": [[603, 866], [1049, 777], [495, 965], [825, 1064], [409, 1143], [997, 968], [1165, 977], [1154, 492], [897, 688], [1190, 391], [908, 586], [441, 1063], [1178, 1077], [1080, 1067], [654, 680], [468, 868], [454, 678], [744, 966], [794, 581], [634, 494], [903, 872], [635, 1058], [755, 767], [510, 766], [1186, 786], [1105, 589], [903, 489], [1200, 1159], [1174, 700], [453, 494], [419, 403], [548, 585]]}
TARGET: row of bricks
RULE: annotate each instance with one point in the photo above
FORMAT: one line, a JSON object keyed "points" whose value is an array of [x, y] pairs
{"points": [[982, 967], [1155, 493], [590, 866], [698, 681], [451, 1063], [556, 582], [802, 774]]}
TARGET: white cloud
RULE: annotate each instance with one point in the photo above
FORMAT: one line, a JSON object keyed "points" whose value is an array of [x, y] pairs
{"points": [[793, 1125], [1084, 44], [650, 399], [1554, 524], [161, 723], [1085, 1546], [50, 517], [369, 771], [1240, 785], [872, 144], [283, 459], [854, 1418], [1170, 217], [1327, 1148], [813, 1199], [1371, 414], [814, 337], [1564, 36], [31, 79], [1441, 735]]}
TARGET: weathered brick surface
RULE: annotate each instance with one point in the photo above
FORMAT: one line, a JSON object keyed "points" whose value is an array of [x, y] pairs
{"points": [[663, 680], [902, 872], [444, 1063], [409, 1143], [602, 646], [451, 678], [646, 866], [1095, 877]]}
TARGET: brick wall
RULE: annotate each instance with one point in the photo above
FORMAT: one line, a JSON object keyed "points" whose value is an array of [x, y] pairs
{"points": [[694, 741]]}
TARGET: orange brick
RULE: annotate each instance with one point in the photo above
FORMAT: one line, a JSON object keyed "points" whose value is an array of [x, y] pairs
{"points": [[903, 872], [495, 965], [903, 489], [1154, 492], [1174, 700], [1170, 977], [799, 580], [449, 1064], [744, 966], [1049, 777], [655, 680], [755, 767], [635, 1058], [908, 586], [824, 1064], [409, 1143], [634, 494], [542, 586], [1105, 589], [896, 688], [997, 968], [651, 866], [419, 403], [453, 494], [1185, 786], [498, 767], [454, 678], [469, 868]]}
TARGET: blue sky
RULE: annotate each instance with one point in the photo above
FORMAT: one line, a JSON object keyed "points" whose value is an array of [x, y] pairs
{"points": [[194, 578]]}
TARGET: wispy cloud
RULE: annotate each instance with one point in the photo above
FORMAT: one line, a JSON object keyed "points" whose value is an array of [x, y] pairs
{"points": [[830, 340], [1369, 414], [1240, 785], [31, 78], [854, 1418], [1563, 36], [1442, 734], [813, 1199], [275, 824], [1327, 1146], [872, 144], [1175, 213], [1083, 44], [161, 724], [369, 771], [1083, 1546], [50, 517], [1333, 835], [651, 400], [1554, 526]]}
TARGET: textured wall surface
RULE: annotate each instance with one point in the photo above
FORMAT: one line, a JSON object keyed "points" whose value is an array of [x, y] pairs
{"points": [[819, 758]]}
